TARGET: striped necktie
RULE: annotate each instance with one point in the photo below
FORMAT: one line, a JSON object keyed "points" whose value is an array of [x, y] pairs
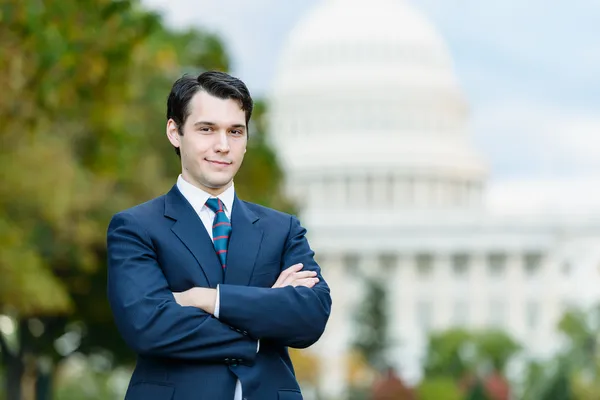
{"points": [[221, 229]]}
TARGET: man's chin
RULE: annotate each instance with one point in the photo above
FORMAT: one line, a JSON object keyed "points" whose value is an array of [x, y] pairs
{"points": [[219, 184]]}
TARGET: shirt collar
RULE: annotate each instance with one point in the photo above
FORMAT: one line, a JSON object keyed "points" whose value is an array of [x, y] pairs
{"points": [[197, 197]]}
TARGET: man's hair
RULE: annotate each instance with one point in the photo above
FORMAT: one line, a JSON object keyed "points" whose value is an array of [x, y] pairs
{"points": [[215, 83]]}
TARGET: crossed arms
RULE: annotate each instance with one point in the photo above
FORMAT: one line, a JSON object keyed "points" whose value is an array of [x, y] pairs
{"points": [[156, 322]]}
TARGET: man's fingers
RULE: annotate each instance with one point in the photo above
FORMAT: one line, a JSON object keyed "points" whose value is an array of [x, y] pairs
{"points": [[294, 268], [298, 275], [304, 274], [307, 282], [288, 271], [283, 278]]}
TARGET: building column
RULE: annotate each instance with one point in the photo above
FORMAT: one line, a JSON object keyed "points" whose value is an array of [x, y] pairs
{"points": [[479, 283], [443, 281], [517, 301]]}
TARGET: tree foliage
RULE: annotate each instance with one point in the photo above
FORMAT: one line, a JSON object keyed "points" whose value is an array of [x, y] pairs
{"points": [[457, 352], [440, 388], [575, 372], [465, 362], [372, 334]]}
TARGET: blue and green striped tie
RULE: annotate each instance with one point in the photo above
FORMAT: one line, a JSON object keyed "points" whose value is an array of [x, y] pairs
{"points": [[221, 229]]}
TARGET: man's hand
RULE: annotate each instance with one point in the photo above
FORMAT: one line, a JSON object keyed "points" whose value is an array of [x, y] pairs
{"points": [[293, 276], [199, 297]]}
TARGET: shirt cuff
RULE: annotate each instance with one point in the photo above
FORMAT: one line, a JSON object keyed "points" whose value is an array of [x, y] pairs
{"points": [[217, 303]]}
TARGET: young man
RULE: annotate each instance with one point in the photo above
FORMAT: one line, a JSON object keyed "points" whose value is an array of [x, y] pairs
{"points": [[207, 289]]}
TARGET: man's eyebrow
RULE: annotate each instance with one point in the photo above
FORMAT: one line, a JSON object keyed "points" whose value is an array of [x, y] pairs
{"points": [[204, 123], [208, 123]]}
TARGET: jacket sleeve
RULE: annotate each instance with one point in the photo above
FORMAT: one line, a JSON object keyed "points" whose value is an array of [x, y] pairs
{"points": [[146, 313], [293, 316]]}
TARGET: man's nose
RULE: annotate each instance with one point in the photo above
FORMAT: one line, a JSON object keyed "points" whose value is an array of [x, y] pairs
{"points": [[223, 143]]}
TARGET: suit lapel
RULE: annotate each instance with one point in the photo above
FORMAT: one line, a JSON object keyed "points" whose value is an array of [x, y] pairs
{"points": [[190, 230], [246, 237]]}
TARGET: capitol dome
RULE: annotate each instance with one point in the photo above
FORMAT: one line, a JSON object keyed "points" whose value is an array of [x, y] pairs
{"points": [[366, 111]]}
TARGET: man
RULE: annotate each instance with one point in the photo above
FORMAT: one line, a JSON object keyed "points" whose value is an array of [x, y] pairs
{"points": [[207, 289]]}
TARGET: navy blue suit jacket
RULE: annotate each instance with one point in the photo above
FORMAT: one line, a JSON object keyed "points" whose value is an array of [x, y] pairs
{"points": [[161, 247]]}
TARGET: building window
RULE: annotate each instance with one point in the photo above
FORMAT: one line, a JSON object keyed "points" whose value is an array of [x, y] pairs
{"points": [[460, 264], [532, 263], [497, 264], [424, 315], [388, 262], [424, 263], [532, 315], [351, 264]]}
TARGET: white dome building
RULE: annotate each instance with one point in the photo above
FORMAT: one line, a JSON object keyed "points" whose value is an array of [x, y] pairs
{"points": [[371, 126], [367, 101]]}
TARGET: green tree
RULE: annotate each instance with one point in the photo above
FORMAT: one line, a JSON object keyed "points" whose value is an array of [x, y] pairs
{"points": [[477, 392], [461, 357], [574, 373], [495, 348], [439, 388], [371, 318], [62, 108], [558, 384], [451, 353], [456, 352]]}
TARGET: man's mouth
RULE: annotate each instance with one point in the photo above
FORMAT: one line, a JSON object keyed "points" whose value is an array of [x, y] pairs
{"points": [[219, 162]]}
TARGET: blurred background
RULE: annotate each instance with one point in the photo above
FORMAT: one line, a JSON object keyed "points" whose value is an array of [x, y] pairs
{"points": [[443, 154]]}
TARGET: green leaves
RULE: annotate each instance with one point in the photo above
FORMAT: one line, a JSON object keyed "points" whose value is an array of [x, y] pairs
{"points": [[439, 388], [456, 352], [26, 285], [372, 325]]}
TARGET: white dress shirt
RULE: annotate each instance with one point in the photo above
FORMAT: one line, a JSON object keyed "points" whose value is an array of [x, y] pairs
{"points": [[197, 198]]}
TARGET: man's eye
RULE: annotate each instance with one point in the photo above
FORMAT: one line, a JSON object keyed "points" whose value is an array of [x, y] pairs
{"points": [[205, 129]]}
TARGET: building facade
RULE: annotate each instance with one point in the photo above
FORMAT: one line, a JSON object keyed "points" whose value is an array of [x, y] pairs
{"points": [[371, 126]]}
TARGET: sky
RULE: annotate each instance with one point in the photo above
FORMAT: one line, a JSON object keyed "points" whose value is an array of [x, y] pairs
{"points": [[530, 71]]}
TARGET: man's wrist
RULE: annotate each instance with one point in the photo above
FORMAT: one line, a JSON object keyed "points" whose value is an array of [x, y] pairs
{"points": [[204, 299], [217, 303]]}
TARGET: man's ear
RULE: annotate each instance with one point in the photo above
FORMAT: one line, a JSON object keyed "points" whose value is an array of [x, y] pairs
{"points": [[173, 133]]}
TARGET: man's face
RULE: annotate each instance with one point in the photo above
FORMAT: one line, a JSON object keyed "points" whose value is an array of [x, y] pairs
{"points": [[213, 142]]}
